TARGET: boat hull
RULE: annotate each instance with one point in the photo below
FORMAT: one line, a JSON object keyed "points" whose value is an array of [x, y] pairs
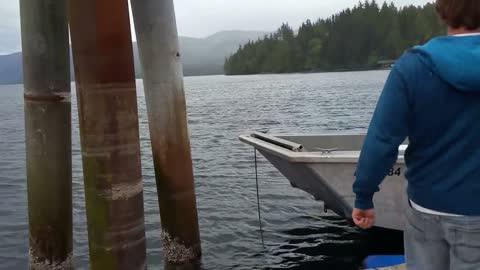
{"points": [[329, 175]]}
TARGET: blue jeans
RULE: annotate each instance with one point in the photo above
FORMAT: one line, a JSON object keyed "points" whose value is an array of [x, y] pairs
{"points": [[441, 243]]}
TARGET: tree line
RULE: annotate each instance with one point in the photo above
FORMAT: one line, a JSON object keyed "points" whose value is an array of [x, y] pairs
{"points": [[355, 38]]}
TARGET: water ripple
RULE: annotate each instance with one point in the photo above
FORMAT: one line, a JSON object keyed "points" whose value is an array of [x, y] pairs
{"points": [[297, 234]]}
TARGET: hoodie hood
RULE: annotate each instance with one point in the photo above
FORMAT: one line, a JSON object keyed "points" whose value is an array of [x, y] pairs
{"points": [[455, 59]]}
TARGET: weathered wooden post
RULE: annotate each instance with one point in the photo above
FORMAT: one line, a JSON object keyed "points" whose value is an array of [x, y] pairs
{"points": [[108, 116], [48, 132], [157, 39]]}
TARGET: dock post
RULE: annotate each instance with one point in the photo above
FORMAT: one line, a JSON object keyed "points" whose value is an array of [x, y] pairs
{"points": [[157, 38], [109, 133], [46, 75]]}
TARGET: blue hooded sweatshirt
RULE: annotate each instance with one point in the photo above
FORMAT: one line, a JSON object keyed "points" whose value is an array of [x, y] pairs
{"points": [[432, 96]]}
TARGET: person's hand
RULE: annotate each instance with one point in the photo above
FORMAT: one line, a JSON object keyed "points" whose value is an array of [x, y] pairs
{"points": [[364, 219]]}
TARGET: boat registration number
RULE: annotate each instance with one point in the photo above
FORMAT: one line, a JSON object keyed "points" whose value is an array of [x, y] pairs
{"points": [[393, 171]]}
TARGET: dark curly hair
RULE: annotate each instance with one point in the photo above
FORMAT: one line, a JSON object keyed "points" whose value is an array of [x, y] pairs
{"points": [[460, 13]]}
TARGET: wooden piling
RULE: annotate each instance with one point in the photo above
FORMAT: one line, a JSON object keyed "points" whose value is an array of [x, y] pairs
{"points": [[157, 39], [46, 75], [108, 115]]}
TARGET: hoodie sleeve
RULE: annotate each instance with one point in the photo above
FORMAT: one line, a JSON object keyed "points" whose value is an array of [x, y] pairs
{"points": [[388, 129]]}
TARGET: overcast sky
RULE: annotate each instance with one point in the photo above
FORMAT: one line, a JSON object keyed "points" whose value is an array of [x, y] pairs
{"points": [[200, 18]]}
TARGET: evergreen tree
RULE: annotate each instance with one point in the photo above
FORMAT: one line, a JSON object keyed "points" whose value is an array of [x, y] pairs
{"points": [[356, 38]]}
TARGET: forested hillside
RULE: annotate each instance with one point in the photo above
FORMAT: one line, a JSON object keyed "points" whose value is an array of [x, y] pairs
{"points": [[356, 38]]}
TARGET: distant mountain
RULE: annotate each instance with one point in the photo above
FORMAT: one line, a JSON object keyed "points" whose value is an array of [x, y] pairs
{"points": [[11, 68], [206, 56], [201, 56]]}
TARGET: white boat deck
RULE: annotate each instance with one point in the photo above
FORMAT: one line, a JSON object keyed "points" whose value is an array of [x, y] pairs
{"points": [[318, 155]]}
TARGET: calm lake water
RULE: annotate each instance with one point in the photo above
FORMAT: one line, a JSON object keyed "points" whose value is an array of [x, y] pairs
{"points": [[298, 234]]}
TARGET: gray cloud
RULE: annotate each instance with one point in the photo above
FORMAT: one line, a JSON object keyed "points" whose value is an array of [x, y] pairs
{"points": [[9, 26], [199, 18], [202, 17]]}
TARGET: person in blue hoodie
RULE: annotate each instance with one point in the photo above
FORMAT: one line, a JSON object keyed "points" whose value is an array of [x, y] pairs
{"points": [[432, 97]]}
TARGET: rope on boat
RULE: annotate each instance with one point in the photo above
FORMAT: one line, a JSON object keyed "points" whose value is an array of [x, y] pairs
{"points": [[258, 197]]}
